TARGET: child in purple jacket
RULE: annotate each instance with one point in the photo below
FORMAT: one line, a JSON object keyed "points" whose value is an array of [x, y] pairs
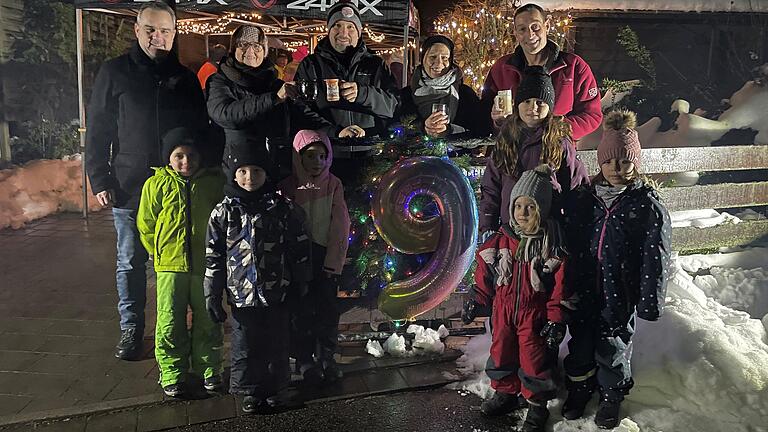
{"points": [[530, 136]]}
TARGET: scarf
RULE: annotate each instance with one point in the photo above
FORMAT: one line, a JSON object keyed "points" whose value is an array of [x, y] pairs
{"points": [[609, 193], [261, 79], [543, 251], [443, 89]]}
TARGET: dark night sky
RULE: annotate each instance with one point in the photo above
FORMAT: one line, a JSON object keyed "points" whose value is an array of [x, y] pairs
{"points": [[429, 10]]}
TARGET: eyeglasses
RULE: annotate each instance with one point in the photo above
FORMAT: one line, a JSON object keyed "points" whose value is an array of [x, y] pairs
{"points": [[257, 47]]}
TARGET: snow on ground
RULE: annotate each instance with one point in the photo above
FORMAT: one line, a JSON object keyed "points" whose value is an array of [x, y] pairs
{"points": [[701, 218], [702, 368], [40, 188], [425, 341]]}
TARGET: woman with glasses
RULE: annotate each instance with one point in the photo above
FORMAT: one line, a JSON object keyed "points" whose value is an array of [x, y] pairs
{"points": [[250, 103]]}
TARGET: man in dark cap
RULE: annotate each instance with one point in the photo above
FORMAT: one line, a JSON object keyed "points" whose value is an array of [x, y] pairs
{"points": [[367, 92]]}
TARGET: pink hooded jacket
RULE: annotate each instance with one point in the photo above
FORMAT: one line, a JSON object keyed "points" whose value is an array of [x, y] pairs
{"points": [[322, 198]]}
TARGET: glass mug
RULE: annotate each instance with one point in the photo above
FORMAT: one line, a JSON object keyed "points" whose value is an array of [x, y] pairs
{"points": [[332, 87], [307, 89]]}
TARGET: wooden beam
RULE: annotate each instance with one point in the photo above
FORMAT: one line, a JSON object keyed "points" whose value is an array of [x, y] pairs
{"points": [[683, 159], [690, 239], [723, 195]]}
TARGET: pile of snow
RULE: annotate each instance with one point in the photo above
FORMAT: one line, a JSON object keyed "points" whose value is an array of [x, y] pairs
{"points": [[738, 280], [426, 341], [702, 367], [40, 188], [701, 218]]}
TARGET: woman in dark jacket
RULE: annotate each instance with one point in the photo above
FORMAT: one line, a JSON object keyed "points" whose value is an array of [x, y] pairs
{"points": [[438, 80], [249, 102]]}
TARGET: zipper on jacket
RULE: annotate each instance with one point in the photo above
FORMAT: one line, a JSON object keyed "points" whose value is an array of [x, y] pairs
{"points": [[188, 224], [519, 283], [608, 213]]}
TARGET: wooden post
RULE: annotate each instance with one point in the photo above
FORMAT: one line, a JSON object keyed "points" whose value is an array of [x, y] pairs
{"points": [[5, 141], [81, 106]]}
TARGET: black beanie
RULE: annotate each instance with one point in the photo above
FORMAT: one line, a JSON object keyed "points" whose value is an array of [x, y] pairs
{"points": [[436, 39], [345, 11], [536, 83], [176, 137], [246, 154]]}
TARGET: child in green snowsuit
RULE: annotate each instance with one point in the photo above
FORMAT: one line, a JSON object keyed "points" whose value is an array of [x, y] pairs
{"points": [[173, 214]]}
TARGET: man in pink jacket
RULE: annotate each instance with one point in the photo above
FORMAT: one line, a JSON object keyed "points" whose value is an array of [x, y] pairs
{"points": [[576, 94], [321, 195]]}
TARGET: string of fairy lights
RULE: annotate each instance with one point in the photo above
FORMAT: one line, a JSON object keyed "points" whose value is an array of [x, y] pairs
{"points": [[219, 25], [225, 23]]}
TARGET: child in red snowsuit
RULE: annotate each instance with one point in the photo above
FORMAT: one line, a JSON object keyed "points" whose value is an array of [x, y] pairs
{"points": [[519, 273]]}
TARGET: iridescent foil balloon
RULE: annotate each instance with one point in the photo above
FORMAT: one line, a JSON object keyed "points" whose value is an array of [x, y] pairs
{"points": [[452, 235]]}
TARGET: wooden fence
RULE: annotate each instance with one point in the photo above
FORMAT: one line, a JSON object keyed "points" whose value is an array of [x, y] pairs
{"points": [[718, 196]]}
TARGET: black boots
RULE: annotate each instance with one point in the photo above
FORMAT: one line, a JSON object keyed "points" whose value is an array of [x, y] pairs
{"points": [[130, 345], [536, 418], [331, 371], [579, 395], [500, 404], [607, 416]]}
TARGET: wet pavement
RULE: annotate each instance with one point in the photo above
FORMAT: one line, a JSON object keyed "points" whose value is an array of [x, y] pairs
{"points": [[442, 410], [59, 325]]}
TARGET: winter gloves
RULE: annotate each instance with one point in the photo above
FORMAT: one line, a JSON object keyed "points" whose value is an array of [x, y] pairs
{"points": [[215, 310], [553, 334], [469, 311]]}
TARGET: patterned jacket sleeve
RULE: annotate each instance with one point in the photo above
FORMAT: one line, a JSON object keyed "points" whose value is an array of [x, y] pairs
{"points": [[654, 269], [216, 253], [490, 197], [485, 274], [299, 246]]}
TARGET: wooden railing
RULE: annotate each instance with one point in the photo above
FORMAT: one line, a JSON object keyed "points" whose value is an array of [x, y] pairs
{"points": [[718, 196], [661, 161]]}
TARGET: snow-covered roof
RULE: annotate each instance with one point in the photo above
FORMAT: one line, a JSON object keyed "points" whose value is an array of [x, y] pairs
{"points": [[658, 5]]}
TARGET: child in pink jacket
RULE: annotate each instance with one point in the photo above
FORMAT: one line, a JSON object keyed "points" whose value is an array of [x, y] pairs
{"points": [[321, 195]]}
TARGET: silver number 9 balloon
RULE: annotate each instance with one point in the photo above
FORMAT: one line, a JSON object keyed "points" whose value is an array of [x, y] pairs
{"points": [[452, 235]]}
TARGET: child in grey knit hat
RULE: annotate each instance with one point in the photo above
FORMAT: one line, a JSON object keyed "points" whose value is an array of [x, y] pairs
{"points": [[520, 273]]}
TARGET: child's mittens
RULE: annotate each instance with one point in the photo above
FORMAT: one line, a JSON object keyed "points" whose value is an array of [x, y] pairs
{"points": [[551, 265], [553, 334], [540, 267], [215, 310]]}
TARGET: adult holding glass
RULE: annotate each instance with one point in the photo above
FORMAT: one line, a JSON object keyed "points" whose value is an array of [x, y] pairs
{"points": [[576, 94], [437, 95], [356, 91], [249, 102]]}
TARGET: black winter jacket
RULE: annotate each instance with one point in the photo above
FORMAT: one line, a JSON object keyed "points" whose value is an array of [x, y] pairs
{"points": [[249, 115], [619, 255], [133, 103], [377, 95], [471, 116]]}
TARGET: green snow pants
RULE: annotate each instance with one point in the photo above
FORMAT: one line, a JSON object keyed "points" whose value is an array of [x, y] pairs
{"points": [[175, 345]]}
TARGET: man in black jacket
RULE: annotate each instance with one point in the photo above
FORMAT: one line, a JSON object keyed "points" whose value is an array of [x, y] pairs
{"points": [[367, 90], [136, 98]]}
